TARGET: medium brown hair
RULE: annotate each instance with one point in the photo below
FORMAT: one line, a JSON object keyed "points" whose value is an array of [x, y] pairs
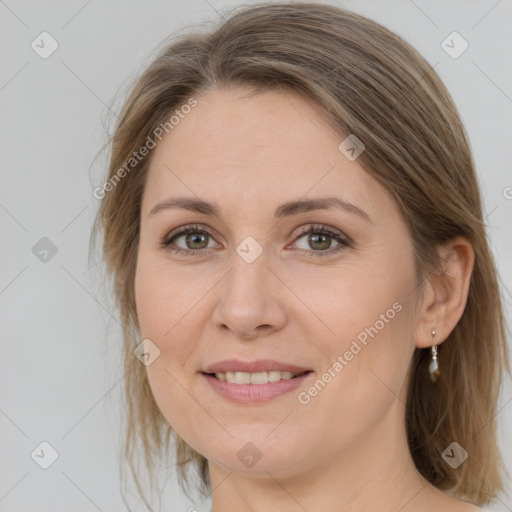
{"points": [[371, 83]]}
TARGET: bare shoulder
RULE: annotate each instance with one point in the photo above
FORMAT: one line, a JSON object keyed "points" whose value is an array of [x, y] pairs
{"points": [[452, 504], [436, 500], [465, 506]]}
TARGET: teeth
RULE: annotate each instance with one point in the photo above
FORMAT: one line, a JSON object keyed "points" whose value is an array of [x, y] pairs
{"points": [[242, 378], [254, 378], [259, 378], [274, 376]]}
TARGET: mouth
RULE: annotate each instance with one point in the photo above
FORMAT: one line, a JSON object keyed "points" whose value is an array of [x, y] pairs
{"points": [[254, 382], [257, 378]]}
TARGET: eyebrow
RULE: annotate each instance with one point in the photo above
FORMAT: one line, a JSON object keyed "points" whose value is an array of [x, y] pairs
{"points": [[285, 210]]}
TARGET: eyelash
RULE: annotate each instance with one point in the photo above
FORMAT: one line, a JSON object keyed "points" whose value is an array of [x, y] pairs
{"points": [[344, 242]]}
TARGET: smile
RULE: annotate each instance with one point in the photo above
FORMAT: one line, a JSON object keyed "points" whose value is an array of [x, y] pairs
{"points": [[255, 378], [251, 388]]}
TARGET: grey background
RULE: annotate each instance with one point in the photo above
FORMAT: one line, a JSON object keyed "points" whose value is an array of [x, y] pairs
{"points": [[60, 374]]}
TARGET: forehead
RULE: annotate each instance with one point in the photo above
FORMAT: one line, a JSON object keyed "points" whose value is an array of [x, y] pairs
{"points": [[260, 149]]}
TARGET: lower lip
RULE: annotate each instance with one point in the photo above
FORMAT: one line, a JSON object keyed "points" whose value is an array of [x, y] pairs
{"points": [[254, 393]]}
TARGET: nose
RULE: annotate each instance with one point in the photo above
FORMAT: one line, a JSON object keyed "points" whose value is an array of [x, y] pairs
{"points": [[250, 301]]}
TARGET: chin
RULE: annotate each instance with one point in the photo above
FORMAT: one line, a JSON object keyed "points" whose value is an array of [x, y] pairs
{"points": [[253, 451]]}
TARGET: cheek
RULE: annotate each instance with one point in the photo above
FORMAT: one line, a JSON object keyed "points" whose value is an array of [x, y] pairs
{"points": [[178, 406], [166, 313], [149, 293], [366, 359], [368, 328], [162, 298]]}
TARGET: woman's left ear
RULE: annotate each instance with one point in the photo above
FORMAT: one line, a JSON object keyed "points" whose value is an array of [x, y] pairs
{"points": [[446, 292]]}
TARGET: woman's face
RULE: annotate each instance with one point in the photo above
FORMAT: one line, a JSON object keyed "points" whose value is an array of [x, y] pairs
{"points": [[251, 289]]}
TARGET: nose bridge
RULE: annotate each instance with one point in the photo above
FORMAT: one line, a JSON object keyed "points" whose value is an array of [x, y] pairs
{"points": [[246, 301], [248, 278], [250, 262]]}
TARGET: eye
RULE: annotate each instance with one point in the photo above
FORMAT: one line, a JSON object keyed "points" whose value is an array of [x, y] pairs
{"points": [[192, 240], [318, 240]]}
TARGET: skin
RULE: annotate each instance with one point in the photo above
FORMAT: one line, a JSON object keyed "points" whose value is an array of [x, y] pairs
{"points": [[346, 449]]}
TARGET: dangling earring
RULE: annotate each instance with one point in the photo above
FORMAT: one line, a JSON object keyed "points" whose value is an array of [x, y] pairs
{"points": [[433, 367]]}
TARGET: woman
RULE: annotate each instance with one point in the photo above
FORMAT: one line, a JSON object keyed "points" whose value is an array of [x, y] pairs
{"points": [[294, 230]]}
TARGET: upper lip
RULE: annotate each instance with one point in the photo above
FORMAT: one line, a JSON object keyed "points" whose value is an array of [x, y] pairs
{"points": [[260, 365]]}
